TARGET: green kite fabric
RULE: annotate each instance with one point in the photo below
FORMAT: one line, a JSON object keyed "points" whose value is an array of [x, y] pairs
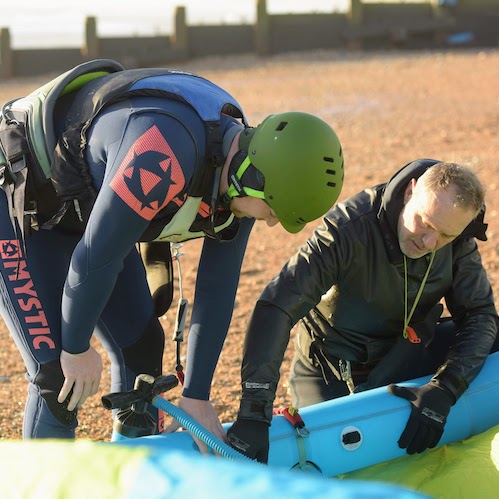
{"points": [[50, 469], [46, 469], [468, 469]]}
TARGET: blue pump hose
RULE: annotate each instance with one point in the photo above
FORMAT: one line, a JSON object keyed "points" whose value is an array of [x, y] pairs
{"points": [[196, 429]]}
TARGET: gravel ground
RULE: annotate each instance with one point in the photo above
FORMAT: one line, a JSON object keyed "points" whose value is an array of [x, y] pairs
{"points": [[388, 108]]}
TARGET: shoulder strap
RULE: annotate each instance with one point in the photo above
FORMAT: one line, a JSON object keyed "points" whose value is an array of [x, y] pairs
{"points": [[69, 82], [181, 86], [36, 111], [27, 136]]}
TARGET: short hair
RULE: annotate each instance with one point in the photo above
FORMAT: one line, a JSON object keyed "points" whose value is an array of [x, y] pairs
{"points": [[470, 193]]}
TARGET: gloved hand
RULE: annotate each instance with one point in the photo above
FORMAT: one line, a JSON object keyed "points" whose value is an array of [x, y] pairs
{"points": [[430, 407], [250, 438]]}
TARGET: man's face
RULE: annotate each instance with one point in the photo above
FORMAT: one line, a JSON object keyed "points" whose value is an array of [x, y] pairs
{"points": [[429, 220], [250, 207]]}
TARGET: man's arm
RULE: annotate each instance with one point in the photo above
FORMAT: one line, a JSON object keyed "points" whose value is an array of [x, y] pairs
{"points": [[287, 298], [264, 347], [472, 307], [471, 304], [216, 286]]}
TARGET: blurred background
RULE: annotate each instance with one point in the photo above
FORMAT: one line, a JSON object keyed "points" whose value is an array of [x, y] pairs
{"points": [[40, 37], [54, 24]]}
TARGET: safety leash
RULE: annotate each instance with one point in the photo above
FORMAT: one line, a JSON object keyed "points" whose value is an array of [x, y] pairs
{"points": [[182, 308]]}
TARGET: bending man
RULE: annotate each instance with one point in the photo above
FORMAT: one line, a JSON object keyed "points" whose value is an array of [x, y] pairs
{"points": [[141, 155]]}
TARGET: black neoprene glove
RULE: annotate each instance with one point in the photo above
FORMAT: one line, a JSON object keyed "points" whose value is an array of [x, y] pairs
{"points": [[430, 407], [250, 438]]}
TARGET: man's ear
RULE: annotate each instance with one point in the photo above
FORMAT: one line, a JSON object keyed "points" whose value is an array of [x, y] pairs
{"points": [[409, 190]]}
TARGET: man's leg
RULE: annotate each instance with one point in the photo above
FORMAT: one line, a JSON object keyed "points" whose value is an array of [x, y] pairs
{"points": [[130, 331], [31, 283]]}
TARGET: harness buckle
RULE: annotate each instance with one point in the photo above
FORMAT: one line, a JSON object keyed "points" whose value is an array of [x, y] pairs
{"points": [[346, 374], [18, 163], [302, 431], [6, 176], [32, 213]]}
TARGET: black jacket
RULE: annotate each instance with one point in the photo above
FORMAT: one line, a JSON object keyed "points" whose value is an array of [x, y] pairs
{"points": [[347, 286]]}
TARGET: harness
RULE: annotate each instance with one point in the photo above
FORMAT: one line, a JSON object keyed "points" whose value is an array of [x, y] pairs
{"points": [[331, 367], [28, 141], [48, 176]]}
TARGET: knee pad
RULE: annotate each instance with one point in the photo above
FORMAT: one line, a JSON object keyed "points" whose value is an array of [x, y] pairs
{"points": [[50, 380], [145, 356]]}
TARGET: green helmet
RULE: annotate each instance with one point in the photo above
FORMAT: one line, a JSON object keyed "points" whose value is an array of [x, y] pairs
{"points": [[301, 159]]}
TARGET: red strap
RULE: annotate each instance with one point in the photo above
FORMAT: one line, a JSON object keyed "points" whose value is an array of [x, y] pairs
{"points": [[180, 375]]}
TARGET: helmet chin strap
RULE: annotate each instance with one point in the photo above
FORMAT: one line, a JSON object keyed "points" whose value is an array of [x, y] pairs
{"points": [[239, 165], [243, 178]]}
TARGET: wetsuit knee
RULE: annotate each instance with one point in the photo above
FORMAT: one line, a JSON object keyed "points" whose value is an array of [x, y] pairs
{"points": [[50, 380], [145, 356]]}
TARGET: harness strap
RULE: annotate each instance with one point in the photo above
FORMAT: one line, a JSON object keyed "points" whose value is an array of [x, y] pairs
{"points": [[318, 355], [331, 366], [50, 224], [15, 199], [13, 174]]}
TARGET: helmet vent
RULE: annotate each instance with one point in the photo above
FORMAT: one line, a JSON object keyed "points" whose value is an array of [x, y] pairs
{"points": [[331, 184], [331, 160], [281, 126], [331, 172]]}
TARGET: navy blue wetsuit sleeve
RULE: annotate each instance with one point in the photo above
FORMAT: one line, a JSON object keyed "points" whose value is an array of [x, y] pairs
{"points": [[143, 173], [216, 287]]}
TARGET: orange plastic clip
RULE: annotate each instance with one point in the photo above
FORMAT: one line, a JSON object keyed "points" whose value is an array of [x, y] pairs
{"points": [[412, 335]]}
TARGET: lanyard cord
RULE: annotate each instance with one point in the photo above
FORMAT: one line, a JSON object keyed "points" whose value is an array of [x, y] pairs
{"points": [[407, 318]]}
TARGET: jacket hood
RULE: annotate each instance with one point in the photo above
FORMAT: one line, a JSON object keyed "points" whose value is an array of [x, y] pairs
{"points": [[393, 201]]}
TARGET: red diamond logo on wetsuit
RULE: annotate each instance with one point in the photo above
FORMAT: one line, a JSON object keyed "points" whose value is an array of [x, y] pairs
{"points": [[10, 249], [31, 311], [149, 176]]}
